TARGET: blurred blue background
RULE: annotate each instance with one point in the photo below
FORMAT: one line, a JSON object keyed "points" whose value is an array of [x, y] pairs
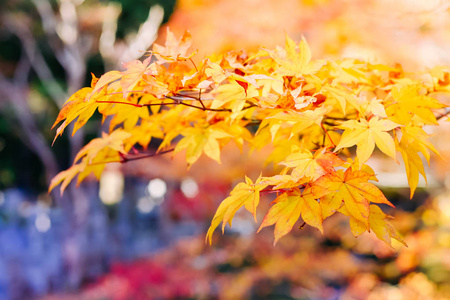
{"points": [[53, 243]]}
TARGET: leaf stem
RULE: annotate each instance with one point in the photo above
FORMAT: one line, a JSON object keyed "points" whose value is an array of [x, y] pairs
{"points": [[302, 226]]}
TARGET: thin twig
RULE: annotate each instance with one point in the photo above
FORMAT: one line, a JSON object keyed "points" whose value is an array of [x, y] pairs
{"points": [[123, 158], [326, 132], [200, 98], [118, 102], [445, 114], [193, 64], [145, 155], [198, 107], [176, 102]]}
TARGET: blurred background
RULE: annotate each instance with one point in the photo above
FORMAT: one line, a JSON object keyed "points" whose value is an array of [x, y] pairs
{"points": [[139, 233]]}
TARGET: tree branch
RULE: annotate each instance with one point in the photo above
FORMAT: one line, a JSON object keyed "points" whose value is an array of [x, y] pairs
{"points": [[16, 94], [445, 114]]}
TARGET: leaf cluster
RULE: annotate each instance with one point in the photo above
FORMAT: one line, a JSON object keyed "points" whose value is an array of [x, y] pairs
{"points": [[313, 113]]}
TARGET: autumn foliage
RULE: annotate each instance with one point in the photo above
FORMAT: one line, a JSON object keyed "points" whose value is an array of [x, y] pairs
{"points": [[312, 113]]}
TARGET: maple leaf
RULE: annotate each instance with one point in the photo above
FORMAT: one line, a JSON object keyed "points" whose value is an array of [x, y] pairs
{"points": [[283, 181], [66, 177], [174, 49], [377, 223], [297, 121], [383, 230], [129, 115], [352, 187], [230, 92], [233, 95], [84, 116], [106, 79], [294, 63], [365, 134], [131, 77], [288, 207], [413, 142], [408, 102], [244, 194], [145, 131], [73, 103], [80, 109], [198, 140], [215, 72], [306, 164], [113, 141]]}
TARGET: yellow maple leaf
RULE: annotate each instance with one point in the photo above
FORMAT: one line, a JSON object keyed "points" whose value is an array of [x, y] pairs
{"points": [[383, 230], [145, 131], [306, 164], [296, 121], [233, 95], [126, 112], [66, 177], [229, 92], [199, 140], [293, 62], [74, 106], [283, 181], [113, 141], [377, 223], [414, 141], [244, 194], [352, 187], [106, 79], [408, 102], [215, 72], [289, 206], [365, 134]]}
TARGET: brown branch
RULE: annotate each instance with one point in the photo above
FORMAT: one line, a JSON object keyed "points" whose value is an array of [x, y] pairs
{"points": [[190, 96], [195, 106], [270, 191], [123, 158], [200, 99], [445, 114], [176, 102], [144, 155], [128, 92]]}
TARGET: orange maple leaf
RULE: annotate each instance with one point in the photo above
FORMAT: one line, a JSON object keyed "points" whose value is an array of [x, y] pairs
{"points": [[174, 49], [353, 188]]}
